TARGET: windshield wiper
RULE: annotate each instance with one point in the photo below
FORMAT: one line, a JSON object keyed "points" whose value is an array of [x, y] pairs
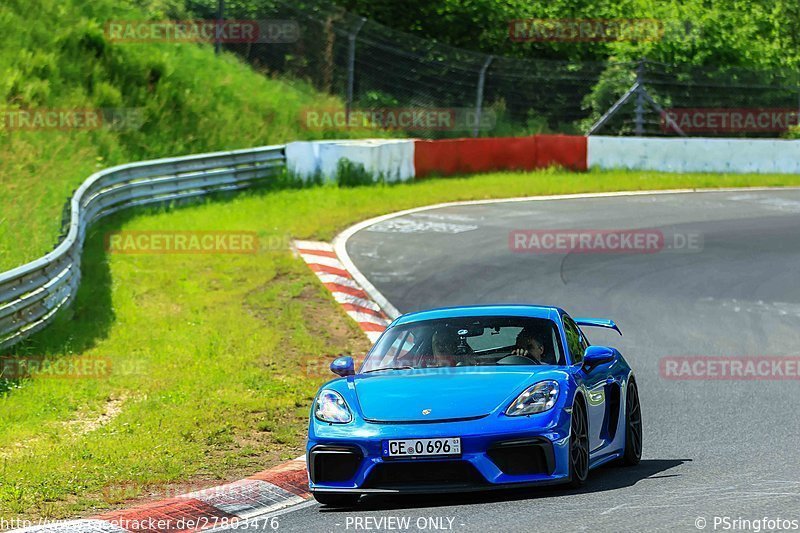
{"points": [[389, 368]]}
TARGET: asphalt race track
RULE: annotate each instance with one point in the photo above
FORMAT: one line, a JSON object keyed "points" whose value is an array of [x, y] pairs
{"points": [[727, 283]]}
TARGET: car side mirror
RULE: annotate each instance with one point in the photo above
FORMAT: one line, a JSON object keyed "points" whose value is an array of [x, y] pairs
{"points": [[343, 366], [598, 355]]}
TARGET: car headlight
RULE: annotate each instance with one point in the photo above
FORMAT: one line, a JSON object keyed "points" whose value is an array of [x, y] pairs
{"points": [[536, 399], [331, 407]]}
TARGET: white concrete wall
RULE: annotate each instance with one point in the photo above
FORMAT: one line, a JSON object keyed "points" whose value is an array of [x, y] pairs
{"points": [[302, 158], [762, 156], [392, 159]]}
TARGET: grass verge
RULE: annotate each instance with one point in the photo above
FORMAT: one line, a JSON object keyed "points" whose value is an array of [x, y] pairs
{"points": [[210, 354], [180, 98]]}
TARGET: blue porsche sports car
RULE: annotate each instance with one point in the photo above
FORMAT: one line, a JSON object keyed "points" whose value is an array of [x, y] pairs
{"points": [[473, 398]]}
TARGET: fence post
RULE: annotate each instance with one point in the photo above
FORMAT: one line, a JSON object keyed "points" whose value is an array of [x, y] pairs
{"points": [[479, 96], [351, 69], [639, 120], [218, 29]]}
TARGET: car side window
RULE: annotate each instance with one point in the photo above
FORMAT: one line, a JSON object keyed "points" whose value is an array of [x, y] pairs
{"points": [[575, 341]]}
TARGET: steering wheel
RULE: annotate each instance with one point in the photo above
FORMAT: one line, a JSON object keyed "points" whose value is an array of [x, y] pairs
{"points": [[518, 360]]}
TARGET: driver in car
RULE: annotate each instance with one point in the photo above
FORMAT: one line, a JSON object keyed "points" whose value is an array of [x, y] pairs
{"points": [[444, 344], [529, 344]]}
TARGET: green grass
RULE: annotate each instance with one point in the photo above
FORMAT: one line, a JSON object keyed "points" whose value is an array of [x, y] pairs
{"points": [[210, 353], [54, 55]]}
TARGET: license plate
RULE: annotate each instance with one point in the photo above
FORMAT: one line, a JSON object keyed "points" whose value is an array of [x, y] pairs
{"points": [[422, 447]]}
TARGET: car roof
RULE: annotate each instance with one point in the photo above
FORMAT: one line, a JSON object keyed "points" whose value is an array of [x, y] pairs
{"points": [[523, 310]]}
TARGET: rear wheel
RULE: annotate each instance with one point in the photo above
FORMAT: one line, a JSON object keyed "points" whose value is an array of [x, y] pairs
{"points": [[633, 427], [578, 446], [336, 500]]}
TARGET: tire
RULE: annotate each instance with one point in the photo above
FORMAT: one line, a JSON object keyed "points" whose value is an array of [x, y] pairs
{"points": [[332, 499], [633, 427], [578, 446]]}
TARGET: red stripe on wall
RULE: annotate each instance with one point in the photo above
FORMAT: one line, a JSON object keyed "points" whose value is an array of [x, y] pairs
{"points": [[567, 151], [465, 156]]}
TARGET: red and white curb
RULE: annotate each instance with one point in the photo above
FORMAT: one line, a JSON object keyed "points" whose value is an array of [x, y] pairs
{"points": [[321, 257], [262, 493], [272, 490]]}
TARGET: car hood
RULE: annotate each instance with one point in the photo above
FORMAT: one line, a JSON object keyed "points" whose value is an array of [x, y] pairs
{"points": [[447, 393]]}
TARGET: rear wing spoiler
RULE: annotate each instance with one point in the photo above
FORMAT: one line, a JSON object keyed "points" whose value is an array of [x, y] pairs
{"points": [[598, 323]]}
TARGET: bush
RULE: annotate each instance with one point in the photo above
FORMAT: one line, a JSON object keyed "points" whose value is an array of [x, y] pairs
{"points": [[349, 174]]}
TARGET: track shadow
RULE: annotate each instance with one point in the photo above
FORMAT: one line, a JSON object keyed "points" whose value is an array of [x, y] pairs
{"points": [[90, 316], [600, 480]]}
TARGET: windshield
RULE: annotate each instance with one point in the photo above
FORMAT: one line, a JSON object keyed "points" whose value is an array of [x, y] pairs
{"points": [[467, 341]]}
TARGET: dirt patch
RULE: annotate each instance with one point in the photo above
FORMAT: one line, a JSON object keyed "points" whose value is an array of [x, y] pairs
{"points": [[87, 424], [320, 315]]}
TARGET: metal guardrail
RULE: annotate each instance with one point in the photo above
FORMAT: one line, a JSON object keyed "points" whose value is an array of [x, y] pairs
{"points": [[31, 294]]}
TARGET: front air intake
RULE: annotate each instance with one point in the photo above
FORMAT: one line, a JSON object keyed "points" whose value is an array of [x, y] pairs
{"points": [[334, 464]]}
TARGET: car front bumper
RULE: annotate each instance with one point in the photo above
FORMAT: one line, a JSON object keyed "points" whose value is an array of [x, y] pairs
{"points": [[497, 452]]}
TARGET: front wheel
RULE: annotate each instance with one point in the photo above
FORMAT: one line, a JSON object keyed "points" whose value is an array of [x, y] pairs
{"points": [[336, 500], [578, 446], [633, 427]]}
